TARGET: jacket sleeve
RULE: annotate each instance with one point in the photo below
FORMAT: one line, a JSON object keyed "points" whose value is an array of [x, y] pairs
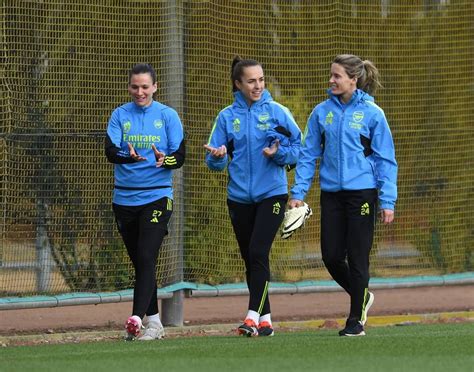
{"points": [[385, 163], [289, 149], [217, 138], [176, 141], [113, 139], [310, 151]]}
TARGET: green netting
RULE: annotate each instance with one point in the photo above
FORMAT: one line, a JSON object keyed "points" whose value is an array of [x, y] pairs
{"points": [[63, 70]]}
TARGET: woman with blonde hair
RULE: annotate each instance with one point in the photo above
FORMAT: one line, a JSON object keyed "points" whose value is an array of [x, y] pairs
{"points": [[350, 135]]}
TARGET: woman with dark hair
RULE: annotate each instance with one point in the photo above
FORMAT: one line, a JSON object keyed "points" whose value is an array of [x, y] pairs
{"points": [[145, 141], [256, 138], [358, 172]]}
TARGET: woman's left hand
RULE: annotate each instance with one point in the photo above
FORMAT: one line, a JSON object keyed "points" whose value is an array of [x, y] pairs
{"points": [[270, 151], [387, 216], [159, 156]]}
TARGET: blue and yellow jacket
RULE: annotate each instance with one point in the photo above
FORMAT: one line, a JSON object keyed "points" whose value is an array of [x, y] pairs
{"points": [[246, 131], [356, 149], [139, 183]]}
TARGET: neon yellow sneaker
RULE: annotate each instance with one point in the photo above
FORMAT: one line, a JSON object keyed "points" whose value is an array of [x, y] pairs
{"points": [[368, 303]]}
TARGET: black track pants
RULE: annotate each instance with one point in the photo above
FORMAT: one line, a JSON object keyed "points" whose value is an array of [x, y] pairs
{"points": [[347, 231], [143, 229], [255, 226]]}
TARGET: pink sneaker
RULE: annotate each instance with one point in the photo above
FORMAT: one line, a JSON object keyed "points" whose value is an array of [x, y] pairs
{"points": [[132, 327]]}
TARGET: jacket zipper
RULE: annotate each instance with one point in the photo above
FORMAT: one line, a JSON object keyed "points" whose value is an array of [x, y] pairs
{"points": [[340, 134]]}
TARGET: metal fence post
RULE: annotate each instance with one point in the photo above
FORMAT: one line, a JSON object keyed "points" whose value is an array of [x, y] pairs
{"points": [[43, 252], [173, 84]]}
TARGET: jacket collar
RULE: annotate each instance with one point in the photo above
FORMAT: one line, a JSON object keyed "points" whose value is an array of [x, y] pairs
{"points": [[357, 96], [242, 103]]}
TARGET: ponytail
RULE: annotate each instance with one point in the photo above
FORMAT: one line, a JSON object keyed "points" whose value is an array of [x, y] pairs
{"points": [[371, 78], [368, 77]]}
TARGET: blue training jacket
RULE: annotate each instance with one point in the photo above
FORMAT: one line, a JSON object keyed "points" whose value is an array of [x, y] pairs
{"points": [[356, 149], [246, 131], [139, 183]]}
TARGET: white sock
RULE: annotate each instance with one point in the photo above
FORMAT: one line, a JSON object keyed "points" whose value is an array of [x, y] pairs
{"points": [[253, 315], [265, 318], [154, 318]]}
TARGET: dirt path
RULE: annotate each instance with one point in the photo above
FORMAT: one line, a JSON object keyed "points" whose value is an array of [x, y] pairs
{"points": [[231, 309]]}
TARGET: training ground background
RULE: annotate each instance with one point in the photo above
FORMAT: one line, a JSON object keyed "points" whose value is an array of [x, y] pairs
{"points": [[226, 312]]}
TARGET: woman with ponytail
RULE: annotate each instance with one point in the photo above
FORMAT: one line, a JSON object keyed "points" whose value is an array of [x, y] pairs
{"points": [[358, 175], [255, 138]]}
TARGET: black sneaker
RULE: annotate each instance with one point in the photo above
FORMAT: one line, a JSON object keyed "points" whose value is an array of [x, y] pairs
{"points": [[249, 328], [265, 329], [355, 329]]}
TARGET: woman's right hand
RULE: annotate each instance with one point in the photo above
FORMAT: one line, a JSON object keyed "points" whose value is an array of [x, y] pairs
{"points": [[293, 203], [135, 156], [218, 152]]}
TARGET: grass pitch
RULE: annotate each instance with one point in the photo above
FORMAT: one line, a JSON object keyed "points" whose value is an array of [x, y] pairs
{"points": [[432, 347]]}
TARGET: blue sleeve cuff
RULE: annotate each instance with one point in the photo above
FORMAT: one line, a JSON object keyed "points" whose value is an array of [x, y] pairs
{"points": [[387, 205]]}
